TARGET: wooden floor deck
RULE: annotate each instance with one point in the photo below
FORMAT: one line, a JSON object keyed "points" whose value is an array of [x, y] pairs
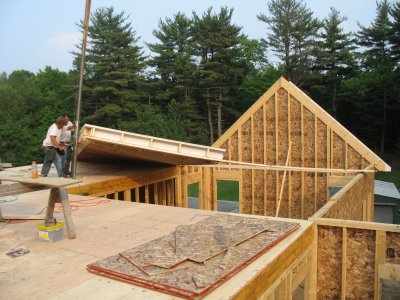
{"points": [[104, 227]]}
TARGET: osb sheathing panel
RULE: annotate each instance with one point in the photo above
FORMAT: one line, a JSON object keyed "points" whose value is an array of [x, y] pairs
{"points": [[348, 206], [322, 162], [283, 147], [258, 192], [329, 262], [295, 158], [270, 156], [246, 188], [258, 156], [393, 247], [338, 152], [226, 153], [270, 145], [233, 148], [309, 161], [360, 261], [283, 143], [354, 159], [270, 205]]}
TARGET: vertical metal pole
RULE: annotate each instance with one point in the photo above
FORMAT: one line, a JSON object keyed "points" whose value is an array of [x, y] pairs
{"points": [[79, 96]]}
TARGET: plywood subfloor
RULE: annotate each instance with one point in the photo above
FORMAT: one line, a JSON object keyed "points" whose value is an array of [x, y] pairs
{"points": [[103, 227]]}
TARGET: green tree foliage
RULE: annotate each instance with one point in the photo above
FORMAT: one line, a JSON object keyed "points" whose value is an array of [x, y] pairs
{"points": [[26, 113], [334, 60], [114, 66], [259, 75], [292, 29], [378, 60], [220, 71], [175, 68]]}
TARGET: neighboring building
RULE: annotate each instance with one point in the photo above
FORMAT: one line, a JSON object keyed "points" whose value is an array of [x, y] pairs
{"points": [[387, 202]]}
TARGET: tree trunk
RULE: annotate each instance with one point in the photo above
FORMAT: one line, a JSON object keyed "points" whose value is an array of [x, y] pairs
{"points": [[210, 124], [220, 116], [384, 120], [334, 93]]}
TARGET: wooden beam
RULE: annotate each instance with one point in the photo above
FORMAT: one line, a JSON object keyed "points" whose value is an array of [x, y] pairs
{"points": [[146, 194], [127, 195], [344, 263], [356, 224], [283, 181]]}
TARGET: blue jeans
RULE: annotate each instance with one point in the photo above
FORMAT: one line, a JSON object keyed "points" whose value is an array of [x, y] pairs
{"points": [[66, 159], [52, 156]]}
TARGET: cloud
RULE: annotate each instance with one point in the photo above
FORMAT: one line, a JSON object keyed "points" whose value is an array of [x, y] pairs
{"points": [[65, 39], [56, 51]]}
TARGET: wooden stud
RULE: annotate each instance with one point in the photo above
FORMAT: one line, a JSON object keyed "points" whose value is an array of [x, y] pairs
{"points": [[289, 176], [265, 157], [252, 161], [115, 195], [127, 195], [283, 181], [276, 150], [146, 194], [315, 163], [344, 264], [156, 193], [137, 195], [380, 256], [302, 161]]}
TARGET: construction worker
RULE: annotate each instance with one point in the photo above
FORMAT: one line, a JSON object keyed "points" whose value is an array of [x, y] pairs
{"points": [[66, 141], [53, 150]]}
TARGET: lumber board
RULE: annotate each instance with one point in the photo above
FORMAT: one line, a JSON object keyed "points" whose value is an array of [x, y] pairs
{"points": [[26, 177], [5, 232], [282, 263], [23, 217], [380, 254]]}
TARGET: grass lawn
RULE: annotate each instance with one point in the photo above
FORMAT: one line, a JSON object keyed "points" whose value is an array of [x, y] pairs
{"points": [[393, 160], [226, 190]]}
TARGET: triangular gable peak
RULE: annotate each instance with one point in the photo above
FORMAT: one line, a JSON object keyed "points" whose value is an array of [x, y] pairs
{"points": [[286, 114]]}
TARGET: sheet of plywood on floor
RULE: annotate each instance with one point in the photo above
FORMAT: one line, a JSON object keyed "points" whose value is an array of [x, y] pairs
{"points": [[393, 247], [338, 152], [270, 156], [309, 161], [283, 146], [322, 162], [295, 157], [360, 264], [329, 262], [246, 146], [228, 231], [258, 155], [354, 159]]}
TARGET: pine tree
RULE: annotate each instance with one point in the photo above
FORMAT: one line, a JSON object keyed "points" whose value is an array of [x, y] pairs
{"points": [[220, 71], [333, 57], [379, 61], [176, 70], [292, 30], [114, 65]]}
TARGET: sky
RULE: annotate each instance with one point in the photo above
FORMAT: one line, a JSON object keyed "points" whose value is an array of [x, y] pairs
{"points": [[39, 33]]}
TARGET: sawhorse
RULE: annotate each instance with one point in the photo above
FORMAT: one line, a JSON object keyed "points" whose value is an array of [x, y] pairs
{"points": [[60, 195]]}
